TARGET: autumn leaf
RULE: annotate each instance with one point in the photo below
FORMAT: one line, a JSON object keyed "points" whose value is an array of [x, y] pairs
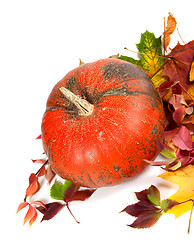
{"points": [[51, 210], [21, 206], [34, 185], [31, 214], [171, 25], [149, 208], [191, 74], [178, 66], [183, 139], [69, 192], [151, 59], [184, 177]]}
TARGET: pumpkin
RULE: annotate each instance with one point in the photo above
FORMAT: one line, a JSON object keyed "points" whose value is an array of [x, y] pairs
{"points": [[101, 122]]}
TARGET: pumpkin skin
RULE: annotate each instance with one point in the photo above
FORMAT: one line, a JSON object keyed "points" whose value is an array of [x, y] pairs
{"points": [[108, 146]]}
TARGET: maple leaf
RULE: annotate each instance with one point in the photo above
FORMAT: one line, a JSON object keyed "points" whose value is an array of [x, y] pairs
{"points": [[184, 177], [178, 67], [151, 59]]}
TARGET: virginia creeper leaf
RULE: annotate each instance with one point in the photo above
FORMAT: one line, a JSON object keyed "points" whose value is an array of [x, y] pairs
{"points": [[21, 206], [52, 209], [33, 219], [82, 195], [167, 204], [139, 208], [30, 214], [154, 195], [33, 185], [49, 174], [147, 219], [165, 150], [57, 191]]}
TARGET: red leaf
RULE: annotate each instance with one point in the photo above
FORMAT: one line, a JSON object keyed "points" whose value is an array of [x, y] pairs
{"points": [[40, 203], [41, 171], [169, 135], [49, 174], [146, 220], [52, 209], [69, 192], [30, 214], [177, 100], [178, 115], [143, 195], [41, 161], [179, 65], [183, 139], [139, 208], [22, 205], [34, 185], [81, 195], [39, 137]]}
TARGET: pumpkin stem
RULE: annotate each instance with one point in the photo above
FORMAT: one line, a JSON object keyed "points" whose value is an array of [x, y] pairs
{"points": [[84, 107]]}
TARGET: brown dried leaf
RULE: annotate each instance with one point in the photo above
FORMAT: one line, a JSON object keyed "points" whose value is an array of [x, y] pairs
{"points": [[191, 74], [171, 25]]}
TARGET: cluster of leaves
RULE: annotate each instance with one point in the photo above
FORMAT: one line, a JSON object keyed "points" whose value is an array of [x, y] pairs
{"points": [[149, 208], [66, 192], [172, 74]]}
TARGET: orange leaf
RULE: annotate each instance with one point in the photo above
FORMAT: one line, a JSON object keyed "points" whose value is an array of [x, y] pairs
{"points": [[22, 205], [40, 203], [30, 214], [33, 219], [191, 75], [171, 25], [34, 185]]}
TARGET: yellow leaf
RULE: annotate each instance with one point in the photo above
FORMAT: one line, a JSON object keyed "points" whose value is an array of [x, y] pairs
{"points": [[191, 75], [184, 177]]}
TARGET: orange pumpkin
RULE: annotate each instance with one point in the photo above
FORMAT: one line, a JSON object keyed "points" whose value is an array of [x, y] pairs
{"points": [[101, 122]]}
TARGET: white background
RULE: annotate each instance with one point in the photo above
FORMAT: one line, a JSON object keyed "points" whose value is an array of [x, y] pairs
{"points": [[40, 41]]}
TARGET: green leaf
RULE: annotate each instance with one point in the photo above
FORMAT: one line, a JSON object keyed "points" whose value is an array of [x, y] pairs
{"points": [[150, 57], [168, 152], [154, 196], [57, 190], [131, 60], [167, 204]]}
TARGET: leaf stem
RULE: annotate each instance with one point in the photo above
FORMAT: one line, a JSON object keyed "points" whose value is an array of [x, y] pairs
{"points": [[67, 205], [190, 218], [186, 91], [41, 167], [190, 213]]}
